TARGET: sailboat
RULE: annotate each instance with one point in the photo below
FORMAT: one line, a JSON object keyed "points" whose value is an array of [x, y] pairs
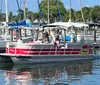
{"points": [[6, 31]]}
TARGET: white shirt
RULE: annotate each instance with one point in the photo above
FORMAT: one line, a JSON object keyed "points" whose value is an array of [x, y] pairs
{"points": [[19, 41]]}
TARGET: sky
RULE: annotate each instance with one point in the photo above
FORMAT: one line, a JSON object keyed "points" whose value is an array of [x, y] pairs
{"points": [[33, 6]]}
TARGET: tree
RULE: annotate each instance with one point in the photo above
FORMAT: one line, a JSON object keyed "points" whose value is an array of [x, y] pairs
{"points": [[30, 15], [35, 16], [96, 13], [54, 15], [20, 14], [10, 17], [3, 17], [15, 18], [26, 12], [87, 13], [90, 13]]}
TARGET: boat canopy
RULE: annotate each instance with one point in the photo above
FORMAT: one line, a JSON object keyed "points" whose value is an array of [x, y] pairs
{"points": [[94, 24], [21, 23], [64, 24], [69, 24], [78, 24]]}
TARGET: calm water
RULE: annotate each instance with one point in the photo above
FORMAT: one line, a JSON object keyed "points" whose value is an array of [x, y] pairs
{"points": [[67, 73]]}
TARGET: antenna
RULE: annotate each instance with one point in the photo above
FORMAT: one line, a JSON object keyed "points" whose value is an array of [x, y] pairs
{"points": [[41, 14], [91, 15], [70, 17], [18, 8], [48, 13], [75, 15], [59, 10], [24, 9], [1, 6]]}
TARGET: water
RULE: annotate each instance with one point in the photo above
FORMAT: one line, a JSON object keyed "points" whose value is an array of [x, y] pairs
{"points": [[67, 73]]}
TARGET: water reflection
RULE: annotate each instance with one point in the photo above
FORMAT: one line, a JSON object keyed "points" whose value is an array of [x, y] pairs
{"points": [[47, 74]]}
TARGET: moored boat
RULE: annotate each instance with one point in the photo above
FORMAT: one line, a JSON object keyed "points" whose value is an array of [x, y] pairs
{"points": [[44, 51]]}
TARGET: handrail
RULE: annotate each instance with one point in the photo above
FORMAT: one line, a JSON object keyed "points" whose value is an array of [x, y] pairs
{"points": [[15, 50], [60, 50], [81, 48], [30, 49], [55, 49], [50, 50], [7, 46], [17, 44], [72, 49], [41, 50]]}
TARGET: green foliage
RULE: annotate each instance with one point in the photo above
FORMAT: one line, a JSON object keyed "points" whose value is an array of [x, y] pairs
{"points": [[30, 15], [20, 14], [96, 13], [90, 13], [10, 16], [53, 10], [2, 17]]}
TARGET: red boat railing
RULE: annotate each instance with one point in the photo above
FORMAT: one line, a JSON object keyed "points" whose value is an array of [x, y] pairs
{"points": [[83, 49]]}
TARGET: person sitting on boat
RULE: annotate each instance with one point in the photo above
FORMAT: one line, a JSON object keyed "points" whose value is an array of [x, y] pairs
{"points": [[31, 42], [46, 36], [57, 41], [39, 41], [20, 40]]}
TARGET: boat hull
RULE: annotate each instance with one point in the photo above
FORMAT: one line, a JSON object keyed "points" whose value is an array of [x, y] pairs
{"points": [[46, 53], [2, 49], [49, 58]]}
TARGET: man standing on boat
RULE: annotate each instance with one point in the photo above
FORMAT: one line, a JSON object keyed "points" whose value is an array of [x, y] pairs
{"points": [[57, 41]]}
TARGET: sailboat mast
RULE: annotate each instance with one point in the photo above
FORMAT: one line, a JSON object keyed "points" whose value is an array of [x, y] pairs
{"points": [[81, 10], [59, 11], [70, 13], [24, 9], [6, 8], [1, 6], [48, 13], [41, 14]]}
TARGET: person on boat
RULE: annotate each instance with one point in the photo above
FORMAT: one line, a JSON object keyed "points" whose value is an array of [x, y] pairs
{"points": [[57, 41], [74, 38], [31, 42], [39, 41], [46, 37], [20, 40]]}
